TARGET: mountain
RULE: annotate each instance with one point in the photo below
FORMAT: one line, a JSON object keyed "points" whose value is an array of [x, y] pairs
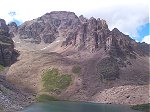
{"points": [[87, 58], [78, 32]]}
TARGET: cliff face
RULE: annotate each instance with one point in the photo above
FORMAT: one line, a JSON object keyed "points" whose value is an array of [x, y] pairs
{"points": [[7, 53]]}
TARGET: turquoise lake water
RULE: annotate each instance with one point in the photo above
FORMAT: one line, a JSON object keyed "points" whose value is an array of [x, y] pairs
{"points": [[63, 106]]}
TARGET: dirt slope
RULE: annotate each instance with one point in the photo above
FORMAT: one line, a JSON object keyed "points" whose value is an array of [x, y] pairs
{"points": [[86, 86]]}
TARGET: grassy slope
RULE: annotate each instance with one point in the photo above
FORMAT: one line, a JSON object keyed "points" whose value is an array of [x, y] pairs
{"points": [[53, 80], [45, 98]]}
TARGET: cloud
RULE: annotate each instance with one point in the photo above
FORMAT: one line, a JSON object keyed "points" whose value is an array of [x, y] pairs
{"points": [[146, 39], [126, 15], [16, 21], [12, 13]]}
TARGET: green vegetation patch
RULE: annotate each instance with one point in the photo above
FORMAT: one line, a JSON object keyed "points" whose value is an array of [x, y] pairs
{"points": [[142, 107], [108, 69], [1, 68], [76, 69], [45, 98], [53, 80]]}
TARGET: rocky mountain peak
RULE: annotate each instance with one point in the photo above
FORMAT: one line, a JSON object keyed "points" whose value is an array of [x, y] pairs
{"points": [[104, 24], [77, 32], [117, 33], [115, 30], [50, 26], [82, 18]]}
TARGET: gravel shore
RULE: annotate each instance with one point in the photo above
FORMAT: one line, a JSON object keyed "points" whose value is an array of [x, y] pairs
{"points": [[11, 98]]}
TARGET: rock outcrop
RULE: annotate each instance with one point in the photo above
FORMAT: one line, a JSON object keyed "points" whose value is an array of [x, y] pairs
{"points": [[7, 53]]}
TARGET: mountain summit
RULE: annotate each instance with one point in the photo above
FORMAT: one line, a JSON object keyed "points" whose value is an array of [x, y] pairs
{"points": [[68, 30]]}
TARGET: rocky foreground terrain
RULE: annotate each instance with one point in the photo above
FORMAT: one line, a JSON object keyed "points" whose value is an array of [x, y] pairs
{"points": [[11, 98], [105, 66]]}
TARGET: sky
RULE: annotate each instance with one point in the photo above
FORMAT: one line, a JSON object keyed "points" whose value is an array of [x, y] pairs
{"points": [[129, 16]]}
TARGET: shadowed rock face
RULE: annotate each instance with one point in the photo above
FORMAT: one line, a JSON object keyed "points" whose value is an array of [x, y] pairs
{"points": [[7, 52], [12, 29], [92, 34], [3, 27], [84, 34]]}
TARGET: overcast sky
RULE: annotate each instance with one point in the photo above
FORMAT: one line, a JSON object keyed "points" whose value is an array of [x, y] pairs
{"points": [[129, 16]]}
